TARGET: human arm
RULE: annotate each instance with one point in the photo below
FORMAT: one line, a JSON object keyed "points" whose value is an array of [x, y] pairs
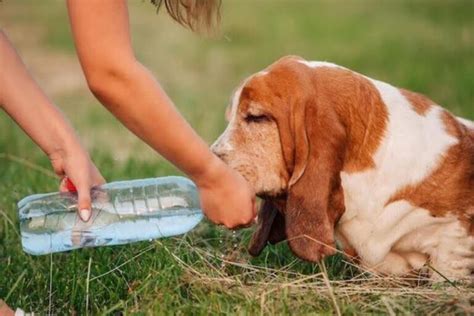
{"points": [[24, 101], [132, 94]]}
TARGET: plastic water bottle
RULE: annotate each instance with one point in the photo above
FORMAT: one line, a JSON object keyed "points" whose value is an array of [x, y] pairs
{"points": [[122, 212]]}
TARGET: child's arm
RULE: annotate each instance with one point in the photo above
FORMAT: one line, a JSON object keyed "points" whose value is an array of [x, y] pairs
{"points": [[24, 101], [131, 93]]}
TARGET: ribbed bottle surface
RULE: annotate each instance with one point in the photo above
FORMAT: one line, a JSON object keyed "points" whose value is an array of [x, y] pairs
{"points": [[122, 212]]}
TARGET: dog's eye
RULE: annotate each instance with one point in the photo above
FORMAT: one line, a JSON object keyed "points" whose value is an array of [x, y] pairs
{"points": [[255, 118]]}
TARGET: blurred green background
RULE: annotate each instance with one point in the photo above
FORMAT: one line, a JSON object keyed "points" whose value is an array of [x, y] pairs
{"points": [[425, 46]]}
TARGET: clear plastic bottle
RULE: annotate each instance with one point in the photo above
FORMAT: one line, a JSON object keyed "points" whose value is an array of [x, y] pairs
{"points": [[122, 212]]}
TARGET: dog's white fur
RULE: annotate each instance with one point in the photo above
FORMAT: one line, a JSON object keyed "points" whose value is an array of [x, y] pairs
{"points": [[398, 237]]}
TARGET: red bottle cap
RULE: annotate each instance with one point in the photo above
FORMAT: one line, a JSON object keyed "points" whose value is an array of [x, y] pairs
{"points": [[70, 186]]}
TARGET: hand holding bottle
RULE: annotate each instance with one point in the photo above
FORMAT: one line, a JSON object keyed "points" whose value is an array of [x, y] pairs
{"points": [[79, 174]]}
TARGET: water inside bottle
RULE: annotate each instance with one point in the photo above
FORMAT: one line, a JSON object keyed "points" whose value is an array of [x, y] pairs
{"points": [[38, 239], [120, 215]]}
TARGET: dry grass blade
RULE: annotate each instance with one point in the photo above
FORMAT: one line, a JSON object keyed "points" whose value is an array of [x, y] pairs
{"points": [[8, 219], [329, 288], [50, 304], [87, 284], [124, 263], [265, 284], [15, 285]]}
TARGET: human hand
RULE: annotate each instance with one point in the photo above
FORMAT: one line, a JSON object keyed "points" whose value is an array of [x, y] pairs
{"points": [[46, 126], [226, 198], [5, 310], [75, 165]]}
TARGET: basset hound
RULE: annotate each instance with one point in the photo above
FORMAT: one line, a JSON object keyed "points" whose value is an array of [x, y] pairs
{"points": [[340, 157]]}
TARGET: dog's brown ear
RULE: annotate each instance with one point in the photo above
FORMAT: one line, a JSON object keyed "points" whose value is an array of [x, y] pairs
{"points": [[270, 227], [315, 196]]}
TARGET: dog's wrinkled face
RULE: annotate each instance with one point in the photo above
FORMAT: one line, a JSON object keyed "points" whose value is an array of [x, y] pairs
{"points": [[251, 143], [285, 138]]}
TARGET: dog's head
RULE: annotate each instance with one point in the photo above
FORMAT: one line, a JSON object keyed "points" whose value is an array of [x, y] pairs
{"points": [[285, 137]]}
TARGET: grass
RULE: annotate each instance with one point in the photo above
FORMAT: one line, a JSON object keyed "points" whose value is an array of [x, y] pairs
{"points": [[426, 46]]}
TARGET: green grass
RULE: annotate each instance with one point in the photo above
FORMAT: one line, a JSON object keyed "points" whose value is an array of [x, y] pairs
{"points": [[426, 46]]}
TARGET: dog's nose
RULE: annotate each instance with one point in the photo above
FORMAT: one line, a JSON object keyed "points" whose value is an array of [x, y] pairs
{"points": [[219, 150], [215, 148]]}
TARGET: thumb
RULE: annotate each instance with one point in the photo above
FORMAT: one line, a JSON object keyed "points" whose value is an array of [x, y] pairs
{"points": [[84, 202]]}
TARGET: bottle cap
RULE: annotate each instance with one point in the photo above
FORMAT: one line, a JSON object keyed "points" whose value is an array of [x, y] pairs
{"points": [[70, 186]]}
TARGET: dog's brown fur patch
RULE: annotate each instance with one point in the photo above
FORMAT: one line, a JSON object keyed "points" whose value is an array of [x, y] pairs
{"points": [[419, 102]]}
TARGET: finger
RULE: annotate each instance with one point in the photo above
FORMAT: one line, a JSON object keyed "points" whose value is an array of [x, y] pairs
{"points": [[241, 226], [62, 185], [84, 202], [255, 221], [97, 178], [99, 181]]}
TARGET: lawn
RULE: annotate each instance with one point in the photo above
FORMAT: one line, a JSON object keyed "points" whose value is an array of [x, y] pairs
{"points": [[426, 46]]}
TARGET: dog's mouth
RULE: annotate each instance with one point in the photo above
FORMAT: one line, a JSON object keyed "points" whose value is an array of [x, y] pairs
{"points": [[275, 199], [271, 195]]}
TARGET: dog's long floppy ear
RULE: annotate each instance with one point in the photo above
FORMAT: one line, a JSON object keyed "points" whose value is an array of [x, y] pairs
{"points": [[315, 197], [270, 227]]}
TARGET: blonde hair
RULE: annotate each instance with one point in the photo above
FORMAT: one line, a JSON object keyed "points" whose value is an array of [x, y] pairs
{"points": [[197, 15]]}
